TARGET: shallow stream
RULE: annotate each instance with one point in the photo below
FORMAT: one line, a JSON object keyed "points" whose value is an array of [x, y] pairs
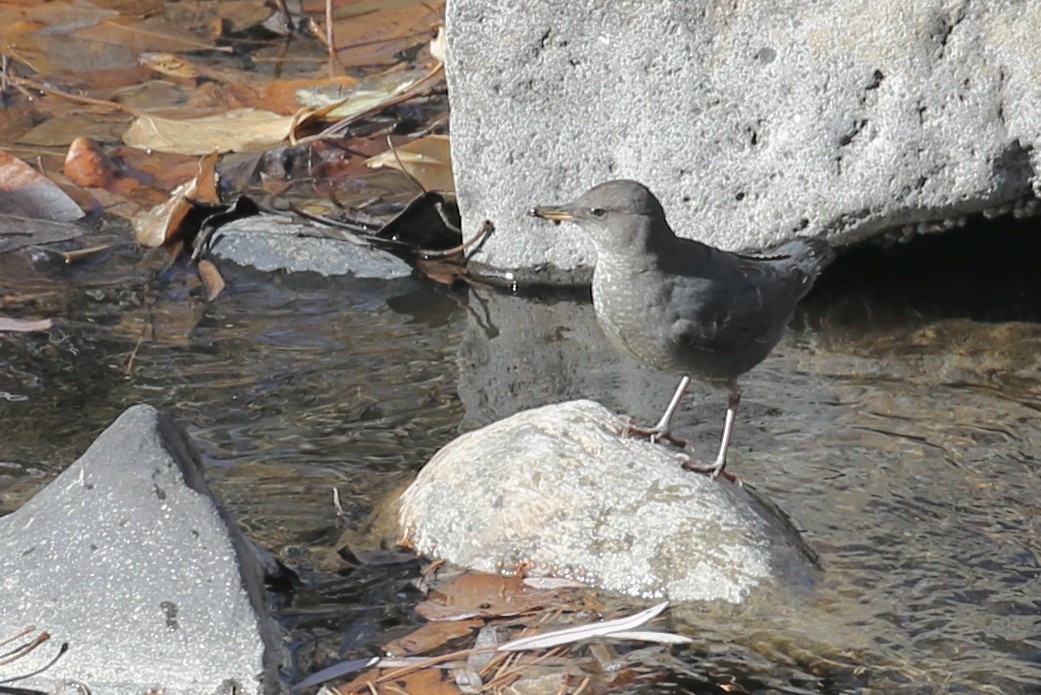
{"points": [[904, 443]]}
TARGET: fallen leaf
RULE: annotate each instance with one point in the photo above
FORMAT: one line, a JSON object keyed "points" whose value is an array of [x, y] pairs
{"points": [[211, 278], [24, 325], [153, 34], [430, 636], [486, 595], [439, 45], [428, 160], [232, 131], [171, 65], [367, 95], [62, 129], [432, 681], [161, 224], [26, 192], [86, 165]]}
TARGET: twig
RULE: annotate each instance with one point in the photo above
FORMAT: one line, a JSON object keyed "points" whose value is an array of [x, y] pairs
{"points": [[404, 169], [40, 87], [61, 652], [410, 93], [25, 648], [25, 631], [330, 38]]}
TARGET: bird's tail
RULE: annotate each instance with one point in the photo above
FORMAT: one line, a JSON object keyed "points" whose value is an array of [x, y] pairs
{"points": [[810, 255]]}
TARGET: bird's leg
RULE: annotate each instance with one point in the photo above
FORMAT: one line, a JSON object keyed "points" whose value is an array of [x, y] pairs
{"points": [[662, 430], [718, 466]]}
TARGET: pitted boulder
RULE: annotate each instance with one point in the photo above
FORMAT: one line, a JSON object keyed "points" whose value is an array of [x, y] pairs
{"points": [[558, 491], [753, 122]]}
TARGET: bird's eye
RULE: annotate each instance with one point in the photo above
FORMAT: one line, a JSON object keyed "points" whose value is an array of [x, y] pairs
{"points": [[598, 212]]}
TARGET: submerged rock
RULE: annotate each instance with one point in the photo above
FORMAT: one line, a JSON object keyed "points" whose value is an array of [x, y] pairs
{"points": [[752, 122], [278, 243], [557, 491], [126, 557]]}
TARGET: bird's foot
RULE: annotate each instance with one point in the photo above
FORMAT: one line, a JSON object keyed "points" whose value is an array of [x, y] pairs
{"points": [[655, 434], [716, 470]]}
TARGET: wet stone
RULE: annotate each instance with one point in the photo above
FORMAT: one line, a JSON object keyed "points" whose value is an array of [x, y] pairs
{"points": [[275, 243], [557, 491], [126, 557]]}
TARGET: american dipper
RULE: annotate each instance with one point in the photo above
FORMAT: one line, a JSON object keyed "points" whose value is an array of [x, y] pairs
{"points": [[682, 306]]}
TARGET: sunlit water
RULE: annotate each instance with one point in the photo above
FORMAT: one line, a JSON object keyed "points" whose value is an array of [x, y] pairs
{"points": [[906, 451]]}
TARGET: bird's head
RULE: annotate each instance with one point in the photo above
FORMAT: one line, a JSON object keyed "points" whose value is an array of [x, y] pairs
{"points": [[617, 215]]}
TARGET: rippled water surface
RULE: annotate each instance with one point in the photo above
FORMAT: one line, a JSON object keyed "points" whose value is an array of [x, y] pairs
{"points": [[906, 450]]}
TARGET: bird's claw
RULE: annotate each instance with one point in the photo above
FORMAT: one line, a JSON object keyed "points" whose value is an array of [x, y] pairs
{"points": [[654, 435], [714, 471]]}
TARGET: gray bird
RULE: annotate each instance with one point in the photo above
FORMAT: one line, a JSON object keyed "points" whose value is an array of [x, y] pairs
{"points": [[682, 306]]}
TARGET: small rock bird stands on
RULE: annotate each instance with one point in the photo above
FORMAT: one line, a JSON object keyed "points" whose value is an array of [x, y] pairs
{"points": [[682, 306]]}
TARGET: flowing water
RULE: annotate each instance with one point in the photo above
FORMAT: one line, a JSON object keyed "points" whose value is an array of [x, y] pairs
{"points": [[904, 444]]}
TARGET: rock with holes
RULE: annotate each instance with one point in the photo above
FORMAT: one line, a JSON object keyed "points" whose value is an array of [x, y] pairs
{"points": [[126, 558], [557, 491], [752, 122]]}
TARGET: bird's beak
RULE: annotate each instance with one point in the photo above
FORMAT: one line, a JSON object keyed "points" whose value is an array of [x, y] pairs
{"points": [[552, 213]]}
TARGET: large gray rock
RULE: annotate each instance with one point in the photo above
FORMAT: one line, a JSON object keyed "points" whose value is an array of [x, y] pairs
{"points": [[126, 557], [557, 490], [752, 122]]}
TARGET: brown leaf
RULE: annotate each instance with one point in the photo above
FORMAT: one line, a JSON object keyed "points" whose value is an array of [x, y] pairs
{"points": [[64, 128], [428, 160], [377, 29], [430, 636], [487, 595], [153, 34], [26, 192], [211, 278], [430, 681], [232, 131], [160, 225], [86, 165], [16, 232], [24, 325]]}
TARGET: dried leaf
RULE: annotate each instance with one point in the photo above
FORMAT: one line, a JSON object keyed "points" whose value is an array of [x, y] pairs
{"points": [[26, 192], [24, 325], [171, 65], [439, 45], [367, 95], [64, 128], [16, 232], [211, 278], [430, 681], [368, 30], [161, 224], [232, 131], [154, 34], [430, 636], [86, 165], [428, 160], [488, 595]]}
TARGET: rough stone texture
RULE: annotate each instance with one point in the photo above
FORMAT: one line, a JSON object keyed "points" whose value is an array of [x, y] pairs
{"points": [[126, 557], [560, 488], [276, 243], [752, 122]]}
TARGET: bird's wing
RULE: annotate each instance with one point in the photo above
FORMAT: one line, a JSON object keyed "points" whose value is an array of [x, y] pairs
{"points": [[724, 316]]}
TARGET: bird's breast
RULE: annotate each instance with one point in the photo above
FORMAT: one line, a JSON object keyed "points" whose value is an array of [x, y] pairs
{"points": [[628, 306]]}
